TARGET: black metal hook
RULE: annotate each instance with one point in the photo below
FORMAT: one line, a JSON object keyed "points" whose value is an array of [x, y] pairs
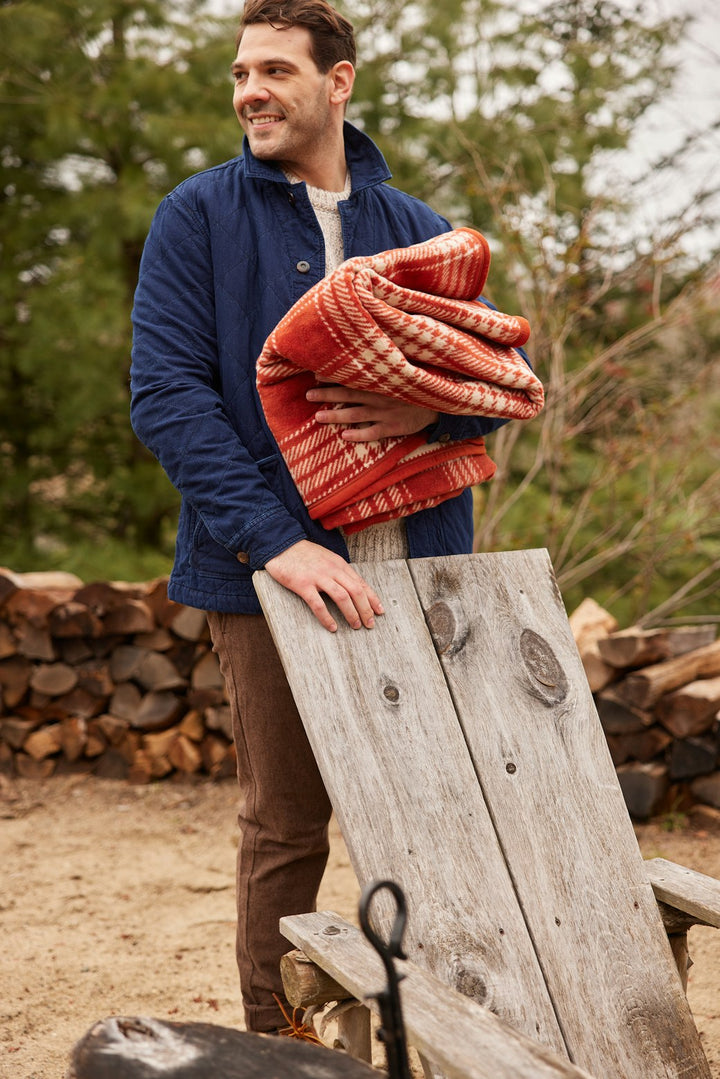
{"points": [[392, 1029]]}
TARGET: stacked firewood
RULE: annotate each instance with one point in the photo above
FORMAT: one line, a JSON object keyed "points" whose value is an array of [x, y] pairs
{"points": [[112, 678], [657, 693], [117, 679]]}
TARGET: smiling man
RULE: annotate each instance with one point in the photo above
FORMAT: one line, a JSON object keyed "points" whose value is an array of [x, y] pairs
{"points": [[229, 252], [285, 105]]}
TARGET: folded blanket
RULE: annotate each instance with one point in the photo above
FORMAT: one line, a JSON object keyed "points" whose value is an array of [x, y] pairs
{"points": [[405, 323]]}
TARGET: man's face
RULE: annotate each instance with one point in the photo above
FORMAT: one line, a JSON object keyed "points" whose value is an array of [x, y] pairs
{"points": [[281, 99]]}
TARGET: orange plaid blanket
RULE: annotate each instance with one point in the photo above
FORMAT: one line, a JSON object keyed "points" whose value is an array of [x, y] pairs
{"points": [[405, 323]]}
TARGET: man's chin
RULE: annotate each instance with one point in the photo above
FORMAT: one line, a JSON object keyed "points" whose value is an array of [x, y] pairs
{"points": [[264, 149]]}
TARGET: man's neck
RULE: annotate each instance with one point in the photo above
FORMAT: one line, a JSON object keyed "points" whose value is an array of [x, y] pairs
{"points": [[327, 168], [329, 178]]}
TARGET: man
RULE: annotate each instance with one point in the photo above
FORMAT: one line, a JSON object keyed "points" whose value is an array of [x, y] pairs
{"points": [[229, 252]]}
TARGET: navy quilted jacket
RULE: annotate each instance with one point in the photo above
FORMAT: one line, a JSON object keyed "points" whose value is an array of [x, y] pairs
{"points": [[228, 253]]}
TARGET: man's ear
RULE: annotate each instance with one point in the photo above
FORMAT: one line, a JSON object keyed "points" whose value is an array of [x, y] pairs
{"points": [[343, 78]]}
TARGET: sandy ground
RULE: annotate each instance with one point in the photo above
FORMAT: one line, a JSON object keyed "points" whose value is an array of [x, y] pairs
{"points": [[120, 900]]}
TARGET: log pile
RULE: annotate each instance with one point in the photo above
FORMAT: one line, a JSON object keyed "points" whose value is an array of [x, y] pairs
{"points": [[108, 677], [117, 679], [657, 693]]}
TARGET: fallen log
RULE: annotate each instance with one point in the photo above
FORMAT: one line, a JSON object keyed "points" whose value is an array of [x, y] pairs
{"points": [[133, 1048]]}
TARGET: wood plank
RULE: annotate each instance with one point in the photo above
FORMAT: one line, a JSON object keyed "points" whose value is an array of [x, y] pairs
{"points": [[463, 1039], [686, 890], [549, 782], [385, 734]]}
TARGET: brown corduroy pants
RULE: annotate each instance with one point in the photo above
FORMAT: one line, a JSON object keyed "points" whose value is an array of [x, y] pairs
{"points": [[283, 813]]}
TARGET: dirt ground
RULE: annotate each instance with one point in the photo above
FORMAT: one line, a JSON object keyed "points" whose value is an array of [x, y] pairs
{"points": [[120, 900]]}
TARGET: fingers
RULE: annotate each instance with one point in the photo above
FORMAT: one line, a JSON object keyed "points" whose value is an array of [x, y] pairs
{"points": [[367, 417], [358, 414], [357, 602], [365, 432], [312, 571], [340, 395]]}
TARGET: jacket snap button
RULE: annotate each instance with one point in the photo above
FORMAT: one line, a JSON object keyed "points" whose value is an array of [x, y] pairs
{"points": [[303, 266]]}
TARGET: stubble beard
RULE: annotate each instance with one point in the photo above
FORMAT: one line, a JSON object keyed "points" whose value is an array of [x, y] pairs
{"points": [[296, 135]]}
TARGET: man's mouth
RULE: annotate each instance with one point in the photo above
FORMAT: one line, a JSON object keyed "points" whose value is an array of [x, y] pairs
{"points": [[263, 119]]}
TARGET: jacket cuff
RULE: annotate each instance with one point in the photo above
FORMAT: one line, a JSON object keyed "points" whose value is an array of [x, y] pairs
{"points": [[269, 538], [454, 428]]}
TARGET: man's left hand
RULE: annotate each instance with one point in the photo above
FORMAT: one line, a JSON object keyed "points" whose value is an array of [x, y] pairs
{"points": [[366, 416]]}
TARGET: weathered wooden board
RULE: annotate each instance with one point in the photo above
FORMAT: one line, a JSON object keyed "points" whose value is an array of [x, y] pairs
{"points": [[478, 776], [463, 1039], [547, 777], [696, 894], [384, 731]]}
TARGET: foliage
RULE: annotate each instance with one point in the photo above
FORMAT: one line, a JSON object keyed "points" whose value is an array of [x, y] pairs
{"points": [[104, 106], [618, 476]]}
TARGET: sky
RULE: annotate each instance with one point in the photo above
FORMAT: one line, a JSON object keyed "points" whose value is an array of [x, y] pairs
{"points": [[692, 109]]}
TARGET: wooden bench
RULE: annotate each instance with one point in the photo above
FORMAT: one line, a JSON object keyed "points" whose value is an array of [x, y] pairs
{"points": [[464, 758]]}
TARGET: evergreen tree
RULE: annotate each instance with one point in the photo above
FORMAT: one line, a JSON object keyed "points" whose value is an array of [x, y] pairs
{"points": [[104, 107]]}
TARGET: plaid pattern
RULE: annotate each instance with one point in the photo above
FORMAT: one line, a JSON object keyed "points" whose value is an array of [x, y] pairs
{"points": [[405, 323]]}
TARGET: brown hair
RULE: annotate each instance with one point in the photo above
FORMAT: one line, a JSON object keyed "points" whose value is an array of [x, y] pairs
{"points": [[332, 35]]}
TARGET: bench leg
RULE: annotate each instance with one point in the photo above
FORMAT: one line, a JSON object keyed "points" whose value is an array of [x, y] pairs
{"points": [[354, 1034], [679, 948]]}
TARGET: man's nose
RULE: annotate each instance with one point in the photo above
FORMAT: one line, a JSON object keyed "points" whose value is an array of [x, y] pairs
{"points": [[253, 89]]}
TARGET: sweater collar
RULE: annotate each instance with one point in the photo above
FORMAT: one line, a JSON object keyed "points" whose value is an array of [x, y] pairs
{"points": [[366, 163]]}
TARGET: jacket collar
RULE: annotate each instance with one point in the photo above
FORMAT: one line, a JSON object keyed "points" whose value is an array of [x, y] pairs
{"points": [[367, 165]]}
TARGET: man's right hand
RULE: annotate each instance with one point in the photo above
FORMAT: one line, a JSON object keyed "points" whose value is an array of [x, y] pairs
{"points": [[308, 569]]}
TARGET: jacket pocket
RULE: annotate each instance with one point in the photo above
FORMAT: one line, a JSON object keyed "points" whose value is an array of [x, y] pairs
{"points": [[277, 476]]}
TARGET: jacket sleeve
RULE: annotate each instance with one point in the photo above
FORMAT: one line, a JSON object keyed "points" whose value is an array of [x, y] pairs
{"points": [[177, 409]]}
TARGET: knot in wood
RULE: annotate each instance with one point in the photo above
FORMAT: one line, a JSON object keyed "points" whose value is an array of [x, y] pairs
{"points": [[471, 983], [391, 693], [548, 678], [447, 627]]}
